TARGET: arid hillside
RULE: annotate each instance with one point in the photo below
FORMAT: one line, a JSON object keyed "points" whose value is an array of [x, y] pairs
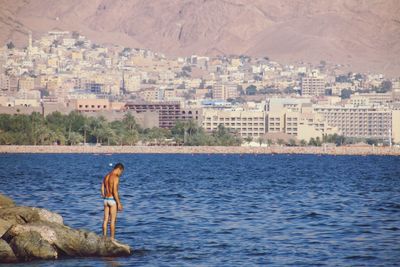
{"points": [[363, 34]]}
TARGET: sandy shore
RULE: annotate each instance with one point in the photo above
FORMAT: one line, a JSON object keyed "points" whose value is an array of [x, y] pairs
{"points": [[202, 150]]}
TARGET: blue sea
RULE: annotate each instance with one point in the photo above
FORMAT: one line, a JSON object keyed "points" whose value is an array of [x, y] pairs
{"points": [[224, 210]]}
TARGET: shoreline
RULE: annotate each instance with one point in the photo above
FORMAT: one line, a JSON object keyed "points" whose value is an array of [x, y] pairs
{"points": [[342, 150]]}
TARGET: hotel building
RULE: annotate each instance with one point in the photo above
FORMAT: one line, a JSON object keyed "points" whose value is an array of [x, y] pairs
{"points": [[246, 123], [362, 121]]}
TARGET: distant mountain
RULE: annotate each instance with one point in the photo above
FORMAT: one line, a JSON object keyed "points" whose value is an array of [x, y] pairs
{"points": [[362, 33]]}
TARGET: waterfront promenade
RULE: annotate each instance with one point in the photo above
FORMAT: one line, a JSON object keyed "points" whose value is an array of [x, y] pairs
{"points": [[342, 150]]}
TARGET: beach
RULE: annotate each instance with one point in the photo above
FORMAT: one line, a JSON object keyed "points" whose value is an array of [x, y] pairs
{"points": [[341, 150]]}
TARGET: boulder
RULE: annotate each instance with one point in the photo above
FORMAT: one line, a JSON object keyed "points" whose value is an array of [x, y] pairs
{"points": [[6, 253], [28, 233], [68, 241], [30, 246], [4, 226], [22, 215], [6, 202]]}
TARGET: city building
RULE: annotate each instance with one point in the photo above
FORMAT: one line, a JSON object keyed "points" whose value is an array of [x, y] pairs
{"points": [[312, 86], [90, 105], [26, 83], [168, 112], [367, 99], [246, 123], [396, 91], [224, 91], [300, 122], [361, 121], [4, 83]]}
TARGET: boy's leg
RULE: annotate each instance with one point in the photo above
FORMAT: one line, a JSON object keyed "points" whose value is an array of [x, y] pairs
{"points": [[113, 215], [106, 217]]}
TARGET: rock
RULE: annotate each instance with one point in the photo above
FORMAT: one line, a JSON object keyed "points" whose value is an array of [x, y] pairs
{"points": [[30, 246], [4, 226], [6, 253], [22, 215], [29, 233], [6, 202], [68, 241]]}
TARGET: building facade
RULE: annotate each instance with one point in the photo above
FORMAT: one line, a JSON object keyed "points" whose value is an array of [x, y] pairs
{"points": [[246, 123], [362, 122], [168, 112], [225, 91], [313, 86]]}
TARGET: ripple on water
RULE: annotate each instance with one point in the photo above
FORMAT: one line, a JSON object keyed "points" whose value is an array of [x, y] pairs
{"points": [[232, 210]]}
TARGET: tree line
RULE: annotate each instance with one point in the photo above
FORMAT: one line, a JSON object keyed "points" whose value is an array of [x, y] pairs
{"points": [[75, 128]]}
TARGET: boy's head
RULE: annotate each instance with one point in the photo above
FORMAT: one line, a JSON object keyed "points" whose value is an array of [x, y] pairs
{"points": [[119, 168]]}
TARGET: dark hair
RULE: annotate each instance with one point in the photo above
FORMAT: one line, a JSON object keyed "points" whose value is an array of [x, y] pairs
{"points": [[119, 166]]}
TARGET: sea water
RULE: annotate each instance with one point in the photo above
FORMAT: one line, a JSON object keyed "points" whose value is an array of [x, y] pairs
{"points": [[223, 210]]}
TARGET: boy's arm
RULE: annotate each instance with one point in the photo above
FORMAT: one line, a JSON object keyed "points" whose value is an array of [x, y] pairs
{"points": [[116, 194], [102, 189]]}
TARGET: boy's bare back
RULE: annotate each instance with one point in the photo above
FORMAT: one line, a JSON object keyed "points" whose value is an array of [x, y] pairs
{"points": [[109, 184]]}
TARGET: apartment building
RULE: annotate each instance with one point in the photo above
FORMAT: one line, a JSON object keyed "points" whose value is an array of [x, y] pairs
{"points": [[224, 91], [301, 123], [193, 114], [246, 123], [150, 94], [362, 121], [26, 83], [90, 105], [313, 86], [168, 112], [396, 91], [370, 98], [4, 83]]}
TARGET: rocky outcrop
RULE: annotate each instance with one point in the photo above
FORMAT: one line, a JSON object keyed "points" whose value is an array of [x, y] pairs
{"points": [[6, 252], [32, 233], [6, 202], [22, 215]]}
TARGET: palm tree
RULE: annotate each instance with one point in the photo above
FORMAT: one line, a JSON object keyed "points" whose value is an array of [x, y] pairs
{"points": [[132, 137], [75, 138], [280, 142], [292, 142], [129, 121], [248, 139], [260, 140], [269, 142]]}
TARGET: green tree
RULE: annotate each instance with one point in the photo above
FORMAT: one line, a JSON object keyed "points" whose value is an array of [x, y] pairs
{"points": [[131, 137], [224, 138], [251, 90], [6, 138], [10, 45], [346, 93], [97, 128], [385, 87], [261, 140], [292, 142], [248, 139]]}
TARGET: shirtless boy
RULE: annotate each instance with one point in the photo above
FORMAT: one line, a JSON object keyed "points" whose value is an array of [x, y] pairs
{"points": [[112, 203]]}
